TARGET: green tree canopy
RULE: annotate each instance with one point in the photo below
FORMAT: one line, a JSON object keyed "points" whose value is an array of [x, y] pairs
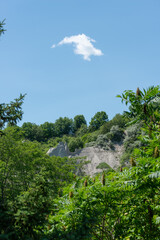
{"points": [[11, 112], [63, 126], [48, 130], [32, 131], [79, 120], [142, 104], [98, 120], [118, 119], [75, 143]]}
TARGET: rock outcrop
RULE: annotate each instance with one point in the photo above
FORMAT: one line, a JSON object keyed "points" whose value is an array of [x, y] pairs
{"points": [[92, 154], [60, 151]]}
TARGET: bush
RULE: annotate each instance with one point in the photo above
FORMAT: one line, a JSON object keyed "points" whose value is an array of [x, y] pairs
{"points": [[116, 133], [90, 137], [118, 120], [102, 165], [82, 130], [102, 141], [131, 142], [105, 128], [125, 158], [75, 143]]}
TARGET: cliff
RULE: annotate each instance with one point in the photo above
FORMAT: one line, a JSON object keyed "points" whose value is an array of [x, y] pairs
{"points": [[95, 155]]}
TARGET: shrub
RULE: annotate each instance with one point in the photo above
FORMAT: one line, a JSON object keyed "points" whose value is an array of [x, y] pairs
{"points": [[75, 143], [116, 133], [102, 165], [90, 137]]}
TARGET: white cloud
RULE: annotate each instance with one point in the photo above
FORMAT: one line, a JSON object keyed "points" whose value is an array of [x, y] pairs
{"points": [[82, 46], [53, 46]]}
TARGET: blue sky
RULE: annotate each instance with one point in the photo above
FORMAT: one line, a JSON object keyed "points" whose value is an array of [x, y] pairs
{"points": [[59, 82]]}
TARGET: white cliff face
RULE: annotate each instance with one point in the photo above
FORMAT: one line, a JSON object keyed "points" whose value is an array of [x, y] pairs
{"points": [[97, 156], [92, 154], [60, 151]]}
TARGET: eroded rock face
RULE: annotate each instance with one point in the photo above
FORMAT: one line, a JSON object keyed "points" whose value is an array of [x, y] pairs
{"points": [[92, 154], [60, 151], [97, 156]]}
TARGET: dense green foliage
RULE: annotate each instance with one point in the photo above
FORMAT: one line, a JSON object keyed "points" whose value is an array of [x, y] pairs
{"points": [[79, 120], [75, 143], [126, 207], [98, 120], [42, 198], [118, 120], [143, 104], [11, 112], [63, 126], [30, 180]]}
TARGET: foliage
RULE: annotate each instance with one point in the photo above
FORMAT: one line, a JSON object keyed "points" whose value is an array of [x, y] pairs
{"points": [[79, 120], [90, 137], [112, 211], [98, 120], [11, 112], [63, 126], [40, 200], [116, 134], [106, 141], [48, 130], [117, 120], [75, 143], [2, 30], [105, 128], [102, 141], [103, 165], [31, 209], [32, 131], [27, 174], [124, 206], [131, 142], [82, 130], [142, 103]]}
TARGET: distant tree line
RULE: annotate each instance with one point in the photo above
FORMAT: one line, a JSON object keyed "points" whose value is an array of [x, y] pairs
{"points": [[63, 126]]}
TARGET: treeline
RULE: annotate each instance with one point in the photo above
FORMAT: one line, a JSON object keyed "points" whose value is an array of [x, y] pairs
{"points": [[63, 126], [76, 127], [75, 132]]}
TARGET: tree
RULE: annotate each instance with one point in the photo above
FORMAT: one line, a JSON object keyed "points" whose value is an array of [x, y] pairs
{"points": [[118, 119], [29, 180], [98, 120], [63, 126], [142, 103], [2, 30], [11, 112], [32, 131], [79, 120], [82, 130], [48, 130], [20, 161], [75, 143]]}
